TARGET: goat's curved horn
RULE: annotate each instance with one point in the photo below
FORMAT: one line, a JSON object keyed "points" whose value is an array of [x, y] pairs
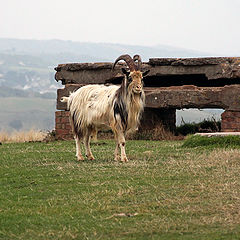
{"points": [[128, 60], [139, 63]]}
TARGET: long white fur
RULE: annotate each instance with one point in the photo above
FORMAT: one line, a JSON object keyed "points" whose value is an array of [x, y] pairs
{"points": [[93, 105]]}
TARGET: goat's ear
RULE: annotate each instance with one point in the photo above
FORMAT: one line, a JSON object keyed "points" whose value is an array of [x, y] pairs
{"points": [[145, 73], [125, 72]]}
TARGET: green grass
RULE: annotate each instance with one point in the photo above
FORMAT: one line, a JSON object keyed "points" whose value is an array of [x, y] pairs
{"points": [[213, 141], [165, 191]]}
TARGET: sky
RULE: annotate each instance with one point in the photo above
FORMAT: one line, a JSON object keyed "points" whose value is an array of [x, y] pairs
{"points": [[205, 25]]}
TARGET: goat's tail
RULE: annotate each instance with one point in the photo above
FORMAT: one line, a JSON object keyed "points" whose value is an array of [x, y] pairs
{"points": [[64, 99]]}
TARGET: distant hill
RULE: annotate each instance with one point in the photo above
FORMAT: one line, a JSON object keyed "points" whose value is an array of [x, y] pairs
{"points": [[20, 113], [29, 64], [6, 92], [89, 51], [27, 74]]}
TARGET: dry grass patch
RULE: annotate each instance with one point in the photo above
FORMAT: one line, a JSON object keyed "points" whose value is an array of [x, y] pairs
{"points": [[158, 133], [22, 136], [213, 194]]}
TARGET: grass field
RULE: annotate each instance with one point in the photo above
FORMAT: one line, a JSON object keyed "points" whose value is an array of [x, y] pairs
{"points": [[165, 191]]}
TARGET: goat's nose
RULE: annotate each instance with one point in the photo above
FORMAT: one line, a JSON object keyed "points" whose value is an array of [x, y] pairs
{"points": [[139, 87]]}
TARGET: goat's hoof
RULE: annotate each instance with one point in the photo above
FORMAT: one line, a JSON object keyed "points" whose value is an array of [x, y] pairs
{"points": [[80, 158], [124, 159], [90, 158]]}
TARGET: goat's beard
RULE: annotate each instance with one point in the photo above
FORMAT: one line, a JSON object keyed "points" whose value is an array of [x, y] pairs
{"points": [[136, 104], [131, 90], [137, 92], [136, 98]]}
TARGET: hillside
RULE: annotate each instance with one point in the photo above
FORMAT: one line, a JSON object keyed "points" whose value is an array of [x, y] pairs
{"points": [[90, 51], [27, 69], [25, 113], [29, 64]]}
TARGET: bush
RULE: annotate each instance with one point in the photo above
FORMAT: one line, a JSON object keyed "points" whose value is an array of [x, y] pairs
{"points": [[204, 126]]}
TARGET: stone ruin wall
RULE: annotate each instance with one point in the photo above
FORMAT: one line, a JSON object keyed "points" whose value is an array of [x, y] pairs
{"points": [[171, 84]]}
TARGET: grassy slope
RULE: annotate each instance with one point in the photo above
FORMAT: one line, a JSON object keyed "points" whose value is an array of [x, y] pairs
{"points": [[33, 112], [165, 191]]}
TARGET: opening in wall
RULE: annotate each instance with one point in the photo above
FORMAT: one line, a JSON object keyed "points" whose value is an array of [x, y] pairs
{"points": [[189, 121], [199, 80]]}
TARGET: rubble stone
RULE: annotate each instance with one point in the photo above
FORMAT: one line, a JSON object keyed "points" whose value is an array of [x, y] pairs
{"points": [[172, 83]]}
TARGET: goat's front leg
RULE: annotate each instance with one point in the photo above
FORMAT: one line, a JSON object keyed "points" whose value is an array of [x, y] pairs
{"points": [[120, 138], [78, 149], [123, 153], [86, 141], [116, 152], [121, 144]]}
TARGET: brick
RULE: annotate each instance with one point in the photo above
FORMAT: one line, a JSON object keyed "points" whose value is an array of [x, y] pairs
{"points": [[58, 113], [58, 126], [68, 126], [65, 113], [62, 132], [230, 121], [65, 119], [226, 114], [230, 129], [236, 114], [227, 130], [57, 120], [230, 114], [231, 125]]}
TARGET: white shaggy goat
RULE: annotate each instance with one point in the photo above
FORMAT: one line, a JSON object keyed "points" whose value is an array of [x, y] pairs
{"points": [[117, 107]]}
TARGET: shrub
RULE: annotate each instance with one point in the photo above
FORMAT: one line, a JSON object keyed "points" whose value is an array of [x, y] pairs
{"points": [[205, 126]]}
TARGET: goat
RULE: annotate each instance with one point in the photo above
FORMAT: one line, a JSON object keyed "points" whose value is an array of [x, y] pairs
{"points": [[118, 107]]}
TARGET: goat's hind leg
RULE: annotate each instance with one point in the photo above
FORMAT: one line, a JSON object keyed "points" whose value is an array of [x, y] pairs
{"points": [[116, 151], [78, 149], [86, 140]]}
